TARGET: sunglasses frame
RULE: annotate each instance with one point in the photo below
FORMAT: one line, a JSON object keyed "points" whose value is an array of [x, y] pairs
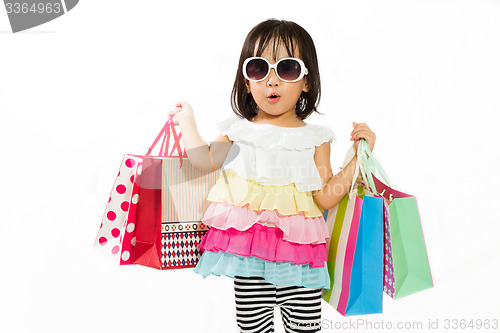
{"points": [[303, 69]]}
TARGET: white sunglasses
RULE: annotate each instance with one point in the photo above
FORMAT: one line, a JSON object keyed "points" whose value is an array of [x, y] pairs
{"points": [[287, 69]]}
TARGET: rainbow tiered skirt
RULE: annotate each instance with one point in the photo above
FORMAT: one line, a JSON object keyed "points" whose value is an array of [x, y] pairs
{"points": [[275, 232]]}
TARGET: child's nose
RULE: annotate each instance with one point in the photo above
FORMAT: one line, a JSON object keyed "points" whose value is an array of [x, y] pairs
{"points": [[272, 79]]}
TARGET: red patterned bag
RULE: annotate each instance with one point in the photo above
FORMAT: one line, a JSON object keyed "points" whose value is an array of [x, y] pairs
{"points": [[167, 196]]}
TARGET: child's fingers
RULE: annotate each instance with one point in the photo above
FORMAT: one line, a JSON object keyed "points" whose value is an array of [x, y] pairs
{"points": [[363, 134], [360, 127], [172, 112], [367, 138], [362, 131], [359, 132], [181, 104]]}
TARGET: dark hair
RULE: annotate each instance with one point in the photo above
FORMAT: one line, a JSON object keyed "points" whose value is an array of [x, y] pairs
{"points": [[291, 36]]}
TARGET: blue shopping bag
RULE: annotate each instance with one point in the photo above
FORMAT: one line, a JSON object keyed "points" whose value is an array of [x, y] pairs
{"points": [[366, 287], [355, 251]]}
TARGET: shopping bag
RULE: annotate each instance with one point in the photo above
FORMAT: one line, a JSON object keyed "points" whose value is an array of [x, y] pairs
{"points": [[407, 270], [148, 218], [406, 264], [355, 252], [121, 201], [116, 235], [128, 234], [173, 200], [183, 206], [166, 194]]}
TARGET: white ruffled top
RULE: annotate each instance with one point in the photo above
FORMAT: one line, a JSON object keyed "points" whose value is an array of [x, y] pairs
{"points": [[273, 155]]}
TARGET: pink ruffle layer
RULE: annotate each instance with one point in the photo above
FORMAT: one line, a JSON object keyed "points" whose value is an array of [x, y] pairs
{"points": [[296, 228], [263, 242]]}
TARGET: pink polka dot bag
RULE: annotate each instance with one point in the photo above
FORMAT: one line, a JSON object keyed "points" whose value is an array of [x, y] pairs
{"points": [[153, 215]]}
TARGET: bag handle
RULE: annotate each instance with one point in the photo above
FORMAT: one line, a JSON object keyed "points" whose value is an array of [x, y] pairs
{"points": [[358, 169], [166, 129], [370, 164]]}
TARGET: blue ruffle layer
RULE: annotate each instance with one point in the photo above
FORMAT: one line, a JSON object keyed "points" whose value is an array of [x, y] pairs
{"points": [[278, 273]]}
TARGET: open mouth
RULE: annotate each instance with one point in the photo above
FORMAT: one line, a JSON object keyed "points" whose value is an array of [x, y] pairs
{"points": [[273, 98]]}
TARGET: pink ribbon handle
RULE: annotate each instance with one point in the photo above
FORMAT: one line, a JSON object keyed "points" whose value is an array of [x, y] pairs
{"points": [[169, 126]]}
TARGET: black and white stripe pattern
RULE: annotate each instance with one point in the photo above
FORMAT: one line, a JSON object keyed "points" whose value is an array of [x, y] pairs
{"points": [[255, 301]]}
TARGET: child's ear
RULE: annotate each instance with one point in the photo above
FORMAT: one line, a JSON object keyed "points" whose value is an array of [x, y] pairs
{"points": [[306, 86], [247, 84]]}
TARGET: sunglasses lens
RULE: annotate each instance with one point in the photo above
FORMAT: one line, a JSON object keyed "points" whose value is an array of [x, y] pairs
{"points": [[289, 69], [257, 69]]}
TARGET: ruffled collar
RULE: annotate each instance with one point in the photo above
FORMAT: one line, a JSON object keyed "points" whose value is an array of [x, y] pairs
{"points": [[269, 136], [273, 126]]}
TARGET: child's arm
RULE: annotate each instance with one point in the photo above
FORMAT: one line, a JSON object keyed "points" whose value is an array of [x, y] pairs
{"points": [[333, 187], [197, 149]]}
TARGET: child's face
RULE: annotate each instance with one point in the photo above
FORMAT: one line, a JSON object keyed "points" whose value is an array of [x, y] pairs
{"points": [[288, 93]]}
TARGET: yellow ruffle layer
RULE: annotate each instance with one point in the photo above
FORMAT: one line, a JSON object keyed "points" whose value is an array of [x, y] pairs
{"points": [[287, 200]]}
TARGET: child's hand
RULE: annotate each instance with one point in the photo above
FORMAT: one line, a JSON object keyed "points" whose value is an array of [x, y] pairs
{"points": [[362, 131], [182, 111]]}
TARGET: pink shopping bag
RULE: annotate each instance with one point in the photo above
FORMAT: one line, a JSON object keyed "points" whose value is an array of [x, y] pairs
{"points": [[166, 195], [121, 201], [116, 235]]}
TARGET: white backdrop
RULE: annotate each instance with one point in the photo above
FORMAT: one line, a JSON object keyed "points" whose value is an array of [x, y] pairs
{"points": [[79, 92]]}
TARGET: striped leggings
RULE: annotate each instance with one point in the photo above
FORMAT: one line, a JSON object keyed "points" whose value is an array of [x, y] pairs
{"points": [[256, 298]]}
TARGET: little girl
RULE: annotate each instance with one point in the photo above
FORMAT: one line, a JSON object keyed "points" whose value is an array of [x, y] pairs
{"points": [[267, 229]]}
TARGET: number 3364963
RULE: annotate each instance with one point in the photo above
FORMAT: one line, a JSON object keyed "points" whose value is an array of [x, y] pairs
{"points": [[35, 8]]}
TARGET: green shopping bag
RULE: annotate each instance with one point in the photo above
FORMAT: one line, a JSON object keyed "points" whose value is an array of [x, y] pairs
{"points": [[406, 265]]}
